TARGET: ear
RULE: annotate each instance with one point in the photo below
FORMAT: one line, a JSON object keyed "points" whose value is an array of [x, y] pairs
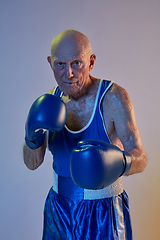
{"points": [[92, 61], [49, 60]]}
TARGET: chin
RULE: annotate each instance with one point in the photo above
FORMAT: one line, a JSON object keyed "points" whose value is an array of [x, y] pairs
{"points": [[71, 90]]}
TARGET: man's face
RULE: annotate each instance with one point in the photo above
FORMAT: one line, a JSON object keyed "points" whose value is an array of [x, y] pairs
{"points": [[71, 67]]}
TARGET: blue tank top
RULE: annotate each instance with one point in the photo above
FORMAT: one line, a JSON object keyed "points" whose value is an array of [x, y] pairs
{"points": [[62, 143]]}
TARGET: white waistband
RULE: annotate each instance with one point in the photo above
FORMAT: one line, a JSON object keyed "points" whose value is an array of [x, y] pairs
{"points": [[112, 190]]}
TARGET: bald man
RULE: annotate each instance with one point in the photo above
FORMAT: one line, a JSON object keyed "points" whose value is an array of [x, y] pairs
{"points": [[80, 205]]}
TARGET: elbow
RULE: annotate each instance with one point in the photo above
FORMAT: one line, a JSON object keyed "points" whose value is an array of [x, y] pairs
{"points": [[32, 165], [138, 164], [29, 165], [143, 163]]}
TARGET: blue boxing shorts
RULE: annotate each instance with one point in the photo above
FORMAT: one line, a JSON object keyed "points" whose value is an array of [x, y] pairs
{"points": [[73, 213]]}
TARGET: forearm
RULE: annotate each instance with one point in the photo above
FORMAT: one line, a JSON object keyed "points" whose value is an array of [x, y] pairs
{"points": [[33, 158], [139, 161]]}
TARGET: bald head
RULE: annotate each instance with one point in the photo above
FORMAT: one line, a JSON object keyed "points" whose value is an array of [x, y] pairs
{"points": [[70, 41]]}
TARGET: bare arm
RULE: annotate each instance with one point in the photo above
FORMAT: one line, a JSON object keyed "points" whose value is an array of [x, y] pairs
{"points": [[124, 127], [34, 158]]}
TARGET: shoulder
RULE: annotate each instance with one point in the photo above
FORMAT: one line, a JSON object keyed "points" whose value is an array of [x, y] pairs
{"points": [[117, 99], [117, 94], [50, 91]]}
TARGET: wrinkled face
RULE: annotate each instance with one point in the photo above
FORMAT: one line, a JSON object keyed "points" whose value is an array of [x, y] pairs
{"points": [[71, 65]]}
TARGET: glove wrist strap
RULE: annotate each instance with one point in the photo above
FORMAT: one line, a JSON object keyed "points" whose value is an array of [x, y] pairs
{"points": [[37, 143], [128, 162]]}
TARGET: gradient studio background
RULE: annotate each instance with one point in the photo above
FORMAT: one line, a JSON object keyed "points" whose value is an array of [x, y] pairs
{"points": [[125, 35]]}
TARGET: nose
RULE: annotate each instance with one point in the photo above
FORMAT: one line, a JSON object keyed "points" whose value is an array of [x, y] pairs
{"points": [[69, 72]]}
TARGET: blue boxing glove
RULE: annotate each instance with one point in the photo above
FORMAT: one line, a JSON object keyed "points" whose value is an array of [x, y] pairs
{"points": [[47, 112], [96, 164]]}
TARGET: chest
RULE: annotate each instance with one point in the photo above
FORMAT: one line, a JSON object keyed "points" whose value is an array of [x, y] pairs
{"points": [[79, 112]]}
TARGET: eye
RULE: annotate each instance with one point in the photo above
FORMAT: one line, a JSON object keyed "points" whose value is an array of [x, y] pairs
{"points": [[76, 64], [60, 65]]}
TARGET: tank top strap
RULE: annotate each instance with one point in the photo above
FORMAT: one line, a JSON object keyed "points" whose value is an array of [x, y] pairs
{"points": [[105, 86], [57, 92]]}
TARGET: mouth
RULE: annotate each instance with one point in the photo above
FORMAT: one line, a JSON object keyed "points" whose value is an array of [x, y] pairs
{"points": [[70, 83]]}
